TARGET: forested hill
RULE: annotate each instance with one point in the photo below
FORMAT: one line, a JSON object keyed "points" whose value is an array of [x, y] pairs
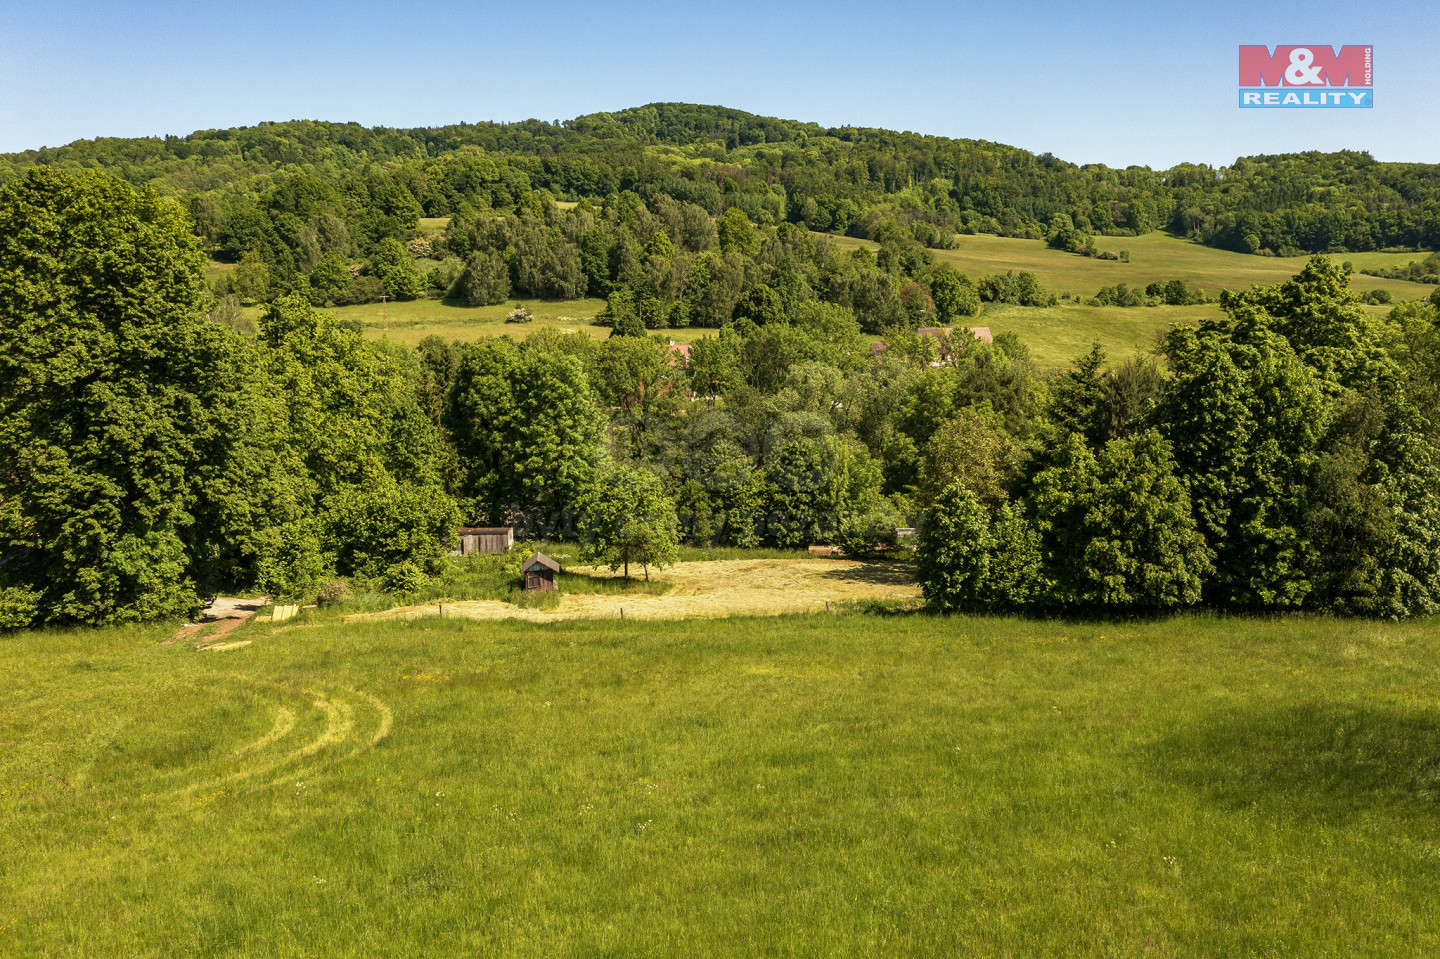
{"points": [[843, 180]]}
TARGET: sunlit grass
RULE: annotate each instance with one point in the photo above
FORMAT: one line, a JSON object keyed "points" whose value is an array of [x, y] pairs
{"points": [[821, 785]]}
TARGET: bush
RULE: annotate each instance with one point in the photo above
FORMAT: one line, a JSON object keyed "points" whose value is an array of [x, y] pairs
{"points": [[404, 577], [519, 315], [334, 593], [870, 532], [953, 556], [18, 608]]}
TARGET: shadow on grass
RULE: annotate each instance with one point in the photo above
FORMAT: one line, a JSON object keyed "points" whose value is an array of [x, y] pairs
{"points": [[1321, 760], [874, 572]]}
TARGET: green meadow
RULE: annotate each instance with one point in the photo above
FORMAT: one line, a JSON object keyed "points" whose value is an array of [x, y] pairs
{"points": [[802, 786]]}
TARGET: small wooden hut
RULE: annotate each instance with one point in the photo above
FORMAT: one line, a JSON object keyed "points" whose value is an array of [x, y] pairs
{"points": [[484, 539], [540, 572]]}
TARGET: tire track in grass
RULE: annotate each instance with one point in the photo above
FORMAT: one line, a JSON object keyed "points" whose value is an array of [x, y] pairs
{"points": [[341, 708]]}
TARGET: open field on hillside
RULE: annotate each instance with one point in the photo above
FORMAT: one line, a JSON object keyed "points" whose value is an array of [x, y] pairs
{"points": [[737, 587], [1056, 335], [808, 785], [1154, 256], [411, 321]]}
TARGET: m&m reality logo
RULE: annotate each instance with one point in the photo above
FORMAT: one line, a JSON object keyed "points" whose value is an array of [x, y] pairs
{"points": [[1313, 75]]}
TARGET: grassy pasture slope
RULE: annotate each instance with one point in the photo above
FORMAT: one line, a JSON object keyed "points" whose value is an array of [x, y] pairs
{"points": [[1056, 335], [821, 785], [1154, 256]]}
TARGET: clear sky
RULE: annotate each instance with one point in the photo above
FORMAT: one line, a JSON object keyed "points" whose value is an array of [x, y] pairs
{"points": [[1118, 82]]}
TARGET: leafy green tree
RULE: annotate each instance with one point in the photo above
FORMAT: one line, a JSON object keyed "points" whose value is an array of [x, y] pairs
{"points": [[814, 484], [626, 518], [973, 449], [640, 381], [485, 280], [366, 460], [955, 296], [393, 266], [628, 326], [761, 305], [954, 551], [870, 530], [251, 278], [112, 387], [527, 432], [1246, 420], [328, 280], [1117, 530], [736, 234]]}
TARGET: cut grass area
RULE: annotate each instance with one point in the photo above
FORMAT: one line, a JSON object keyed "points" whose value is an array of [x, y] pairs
{"points": [[821, 785], [695, 590]]}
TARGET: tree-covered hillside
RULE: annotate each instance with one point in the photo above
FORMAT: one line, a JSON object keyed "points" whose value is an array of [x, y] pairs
{"points": [[844, 180]]}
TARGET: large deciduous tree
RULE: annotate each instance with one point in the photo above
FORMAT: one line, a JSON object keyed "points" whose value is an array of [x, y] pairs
{"points": [[113, 396], [527, 432]]}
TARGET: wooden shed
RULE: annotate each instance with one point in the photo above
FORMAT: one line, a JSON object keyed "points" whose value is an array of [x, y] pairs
{"points": [[484, 539], [540, 572]]}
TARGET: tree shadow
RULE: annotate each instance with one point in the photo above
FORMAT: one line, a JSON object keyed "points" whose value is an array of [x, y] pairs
{"points": [[1323, 760], [874, 572]]}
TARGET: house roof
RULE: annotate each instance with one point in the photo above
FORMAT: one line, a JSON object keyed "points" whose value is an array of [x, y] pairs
{"points": [[981, 333], [542, 560], [485, 529]]}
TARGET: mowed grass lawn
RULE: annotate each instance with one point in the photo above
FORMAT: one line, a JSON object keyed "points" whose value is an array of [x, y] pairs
{"points": [[812, 785]]}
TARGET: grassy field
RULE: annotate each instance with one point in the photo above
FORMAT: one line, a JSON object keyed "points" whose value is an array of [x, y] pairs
{"points": [[1056, 335], [804, 786], [1154, 256], [410, 322]]}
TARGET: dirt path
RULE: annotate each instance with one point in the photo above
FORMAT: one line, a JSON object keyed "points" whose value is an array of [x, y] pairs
{"points": [[743, 587], [230, 612]]}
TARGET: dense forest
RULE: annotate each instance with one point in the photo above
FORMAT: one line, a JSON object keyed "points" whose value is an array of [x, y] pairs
{"points": [[330, 210]]}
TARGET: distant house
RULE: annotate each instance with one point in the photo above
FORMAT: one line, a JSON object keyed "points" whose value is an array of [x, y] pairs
{"points": [[484, 539], [681, 350], [539, 572]]}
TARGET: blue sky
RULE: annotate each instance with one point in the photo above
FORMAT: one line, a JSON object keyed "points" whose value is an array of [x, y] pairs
{"points": [[1119, 83]]}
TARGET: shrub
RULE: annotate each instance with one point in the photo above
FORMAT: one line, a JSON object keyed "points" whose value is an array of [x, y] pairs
{"points": [[18, 607], [404, 577], [334, 593], [519, 315]]}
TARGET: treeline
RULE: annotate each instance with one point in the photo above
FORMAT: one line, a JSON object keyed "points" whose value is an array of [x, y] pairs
{"points": [[842, 180], [1280, 458]]}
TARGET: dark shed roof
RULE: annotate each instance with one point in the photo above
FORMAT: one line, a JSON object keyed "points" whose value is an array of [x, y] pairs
{"points": [[543, 560]]}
